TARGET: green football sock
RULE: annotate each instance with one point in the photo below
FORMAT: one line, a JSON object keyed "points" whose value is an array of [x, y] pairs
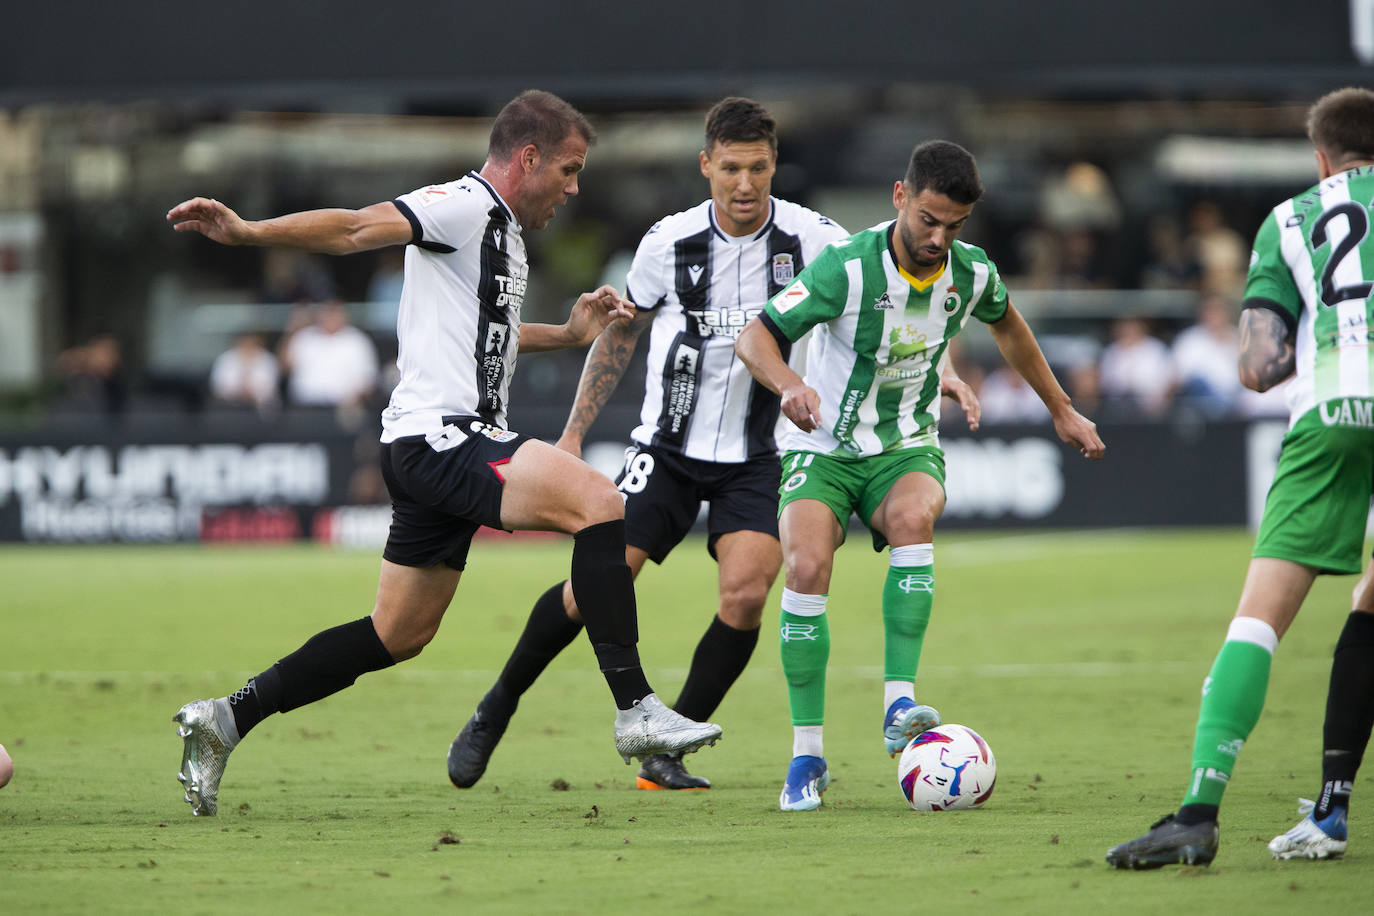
{"points": [[804, 643], [1232, 699], [908, 595]]}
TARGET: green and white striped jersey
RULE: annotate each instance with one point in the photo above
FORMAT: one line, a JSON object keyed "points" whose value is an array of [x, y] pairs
{"points": [[875, 354], [1313, 263]]}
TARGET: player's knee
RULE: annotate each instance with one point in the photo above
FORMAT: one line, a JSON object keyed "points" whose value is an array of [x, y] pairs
{"points": [[602, 503], [808, 573], [741, 606], [915, 525], [406, 643]]}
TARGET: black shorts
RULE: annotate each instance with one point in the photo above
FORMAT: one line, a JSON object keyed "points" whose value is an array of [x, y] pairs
{"points": [[664, 491], [441, 496]]}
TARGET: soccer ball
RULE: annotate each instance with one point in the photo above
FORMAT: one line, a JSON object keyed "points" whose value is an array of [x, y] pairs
{"points": [[946, 768]]}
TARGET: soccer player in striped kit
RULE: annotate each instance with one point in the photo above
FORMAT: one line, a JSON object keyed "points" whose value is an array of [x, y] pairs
{"points": [[449, 462], [1309, 314], [882, 307]]}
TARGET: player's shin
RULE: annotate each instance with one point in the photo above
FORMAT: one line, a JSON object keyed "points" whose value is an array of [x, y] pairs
{"points": [[804, 644], [1349, 712], [908, 596], [603, 587], [328, 662], [1232, 699]]}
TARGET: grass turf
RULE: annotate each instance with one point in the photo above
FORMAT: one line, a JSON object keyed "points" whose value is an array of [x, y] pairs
{"points": [[1078, 656]]}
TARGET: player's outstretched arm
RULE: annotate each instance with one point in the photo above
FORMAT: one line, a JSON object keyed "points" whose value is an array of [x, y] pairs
{"points": [[334, 231], [762, 356], [1022, 352], [590, 314], [1266, 349], [607, 360]]}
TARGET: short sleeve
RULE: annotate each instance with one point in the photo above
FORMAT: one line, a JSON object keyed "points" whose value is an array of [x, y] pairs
{"points": [[992, 305], [445, 216], [646, 283], [1269, 278], [816, 296]]}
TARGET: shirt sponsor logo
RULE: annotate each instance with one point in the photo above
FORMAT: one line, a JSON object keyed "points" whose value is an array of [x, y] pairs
{"points": [[791, 297], [494, 361], [512, 293], [682, 392], [721, 322], [1348, 412], [784, 268]]}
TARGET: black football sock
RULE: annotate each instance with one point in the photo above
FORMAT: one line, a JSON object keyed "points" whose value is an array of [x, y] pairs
{"points": [[604, 590], [328, 662], [548, 631], [1197, 814], [720, 656], [1349, 712]]}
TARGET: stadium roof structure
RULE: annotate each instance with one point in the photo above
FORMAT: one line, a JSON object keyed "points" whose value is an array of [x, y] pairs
{"points": [[465, 58]]}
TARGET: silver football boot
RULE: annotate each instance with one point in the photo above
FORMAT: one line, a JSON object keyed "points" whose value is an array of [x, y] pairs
{"points": [[649, 728], [209, 734]]}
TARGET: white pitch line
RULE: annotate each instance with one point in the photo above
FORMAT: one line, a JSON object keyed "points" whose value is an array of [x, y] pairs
{"points": [[1027, 670]]}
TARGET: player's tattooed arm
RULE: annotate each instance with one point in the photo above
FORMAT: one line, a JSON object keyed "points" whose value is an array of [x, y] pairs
{"points": [[1266, 349], [606, 363]]}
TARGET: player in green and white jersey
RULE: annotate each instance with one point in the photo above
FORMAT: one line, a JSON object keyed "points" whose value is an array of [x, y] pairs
{"points": [[1308, 315], [884, 305]]}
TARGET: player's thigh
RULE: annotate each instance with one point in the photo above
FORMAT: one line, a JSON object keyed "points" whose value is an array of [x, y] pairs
{"points": [[411, 602], [546, 489], [1317, 506], [1274, 591], [905, 496], [810, 534]]}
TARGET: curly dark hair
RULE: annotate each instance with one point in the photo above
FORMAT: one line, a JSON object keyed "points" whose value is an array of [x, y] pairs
{"points": [[947, 168]]}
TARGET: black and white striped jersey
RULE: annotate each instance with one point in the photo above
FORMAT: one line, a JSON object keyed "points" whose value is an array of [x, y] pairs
{"points": [[459, 323], [705, 285]]}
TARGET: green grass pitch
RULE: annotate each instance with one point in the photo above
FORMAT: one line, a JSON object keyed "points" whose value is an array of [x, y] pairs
{"points": [[1079, 656]]}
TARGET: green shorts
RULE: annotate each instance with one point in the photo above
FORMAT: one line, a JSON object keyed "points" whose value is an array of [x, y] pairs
{"points": [[1318, 504], [849, 485]]}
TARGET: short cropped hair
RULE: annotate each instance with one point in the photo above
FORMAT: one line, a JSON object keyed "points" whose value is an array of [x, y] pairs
{"points": [[1341, 124], [538, 117], [946, 168], [738, 120]]}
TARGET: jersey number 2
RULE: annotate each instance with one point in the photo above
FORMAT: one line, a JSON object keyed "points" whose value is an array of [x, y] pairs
{"points": [[1357, 227]]}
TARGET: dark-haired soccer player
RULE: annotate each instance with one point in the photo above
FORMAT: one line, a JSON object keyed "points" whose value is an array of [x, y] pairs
{"points": [[449, 461], [1307, 314], [882, 307]]}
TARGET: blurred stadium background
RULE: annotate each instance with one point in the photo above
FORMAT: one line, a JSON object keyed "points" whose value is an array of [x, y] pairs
{"points": [[1129, 153]]}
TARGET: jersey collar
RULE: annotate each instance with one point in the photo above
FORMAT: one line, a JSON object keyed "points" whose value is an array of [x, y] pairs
{"points": [[510, 215]]}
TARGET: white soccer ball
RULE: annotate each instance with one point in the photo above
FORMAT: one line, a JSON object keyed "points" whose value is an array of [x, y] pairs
{"points": [[946, 768]]}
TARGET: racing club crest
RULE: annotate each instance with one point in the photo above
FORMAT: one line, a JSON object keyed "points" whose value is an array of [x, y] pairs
{"points": [[783, 268]]}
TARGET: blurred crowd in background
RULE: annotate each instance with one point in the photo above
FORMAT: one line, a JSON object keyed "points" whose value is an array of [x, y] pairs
{"points": [[1127, 254]]}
